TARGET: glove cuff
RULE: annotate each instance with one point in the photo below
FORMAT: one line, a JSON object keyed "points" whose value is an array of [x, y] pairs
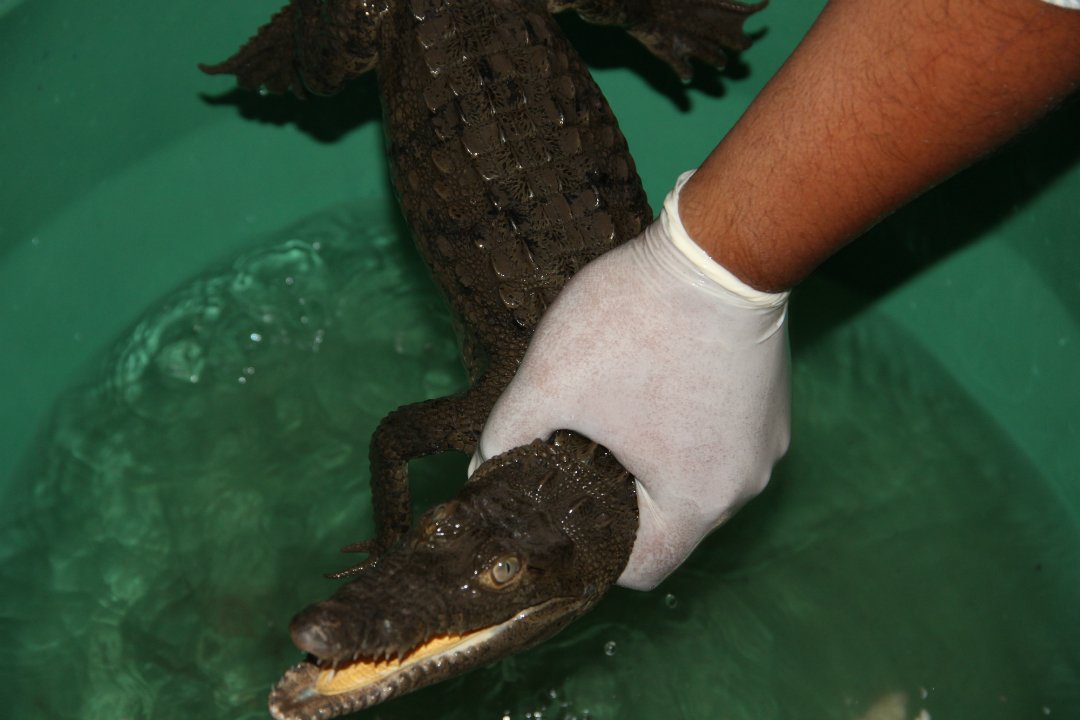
{"points": [[713, 270]]}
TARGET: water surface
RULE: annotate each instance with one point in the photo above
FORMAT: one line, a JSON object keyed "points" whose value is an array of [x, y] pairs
{"points": [[187, 496]]}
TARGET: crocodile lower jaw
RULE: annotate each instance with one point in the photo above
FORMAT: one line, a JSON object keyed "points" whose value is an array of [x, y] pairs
{"points": [[309, 691]]}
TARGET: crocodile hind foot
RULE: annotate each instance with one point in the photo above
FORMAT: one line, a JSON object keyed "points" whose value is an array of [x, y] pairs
{"points": [[267, 62], [308, 46], [676, 30], [701, 29]]}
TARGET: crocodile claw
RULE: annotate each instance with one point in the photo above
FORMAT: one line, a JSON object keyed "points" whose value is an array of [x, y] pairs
{"points": [[374, 549]]}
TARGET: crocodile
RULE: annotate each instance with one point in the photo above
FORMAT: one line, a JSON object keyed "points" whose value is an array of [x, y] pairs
{"points": [[512, 174]]}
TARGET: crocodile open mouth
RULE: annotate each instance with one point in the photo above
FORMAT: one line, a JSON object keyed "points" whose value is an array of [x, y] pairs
{"points": [[314, 689], [362, 673]]}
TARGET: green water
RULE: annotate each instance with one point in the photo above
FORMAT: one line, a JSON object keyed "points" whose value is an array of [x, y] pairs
{"points": [[185, 498], [207, 303]]}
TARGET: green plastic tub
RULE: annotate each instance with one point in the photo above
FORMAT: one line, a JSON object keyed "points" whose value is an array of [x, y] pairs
{"points": [[207, 302]]}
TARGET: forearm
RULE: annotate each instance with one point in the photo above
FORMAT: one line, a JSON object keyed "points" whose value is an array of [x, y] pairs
{"points": [[880, 101]]}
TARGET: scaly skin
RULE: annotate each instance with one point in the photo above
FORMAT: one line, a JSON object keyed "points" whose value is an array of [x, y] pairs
{"points": [[512, 174]]}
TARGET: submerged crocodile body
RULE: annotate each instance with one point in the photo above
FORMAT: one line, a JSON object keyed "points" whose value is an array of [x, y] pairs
{"points": [[512, 174]]}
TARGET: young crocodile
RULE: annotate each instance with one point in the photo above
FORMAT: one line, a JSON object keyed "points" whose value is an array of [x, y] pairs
{"points": [[512, 174]]}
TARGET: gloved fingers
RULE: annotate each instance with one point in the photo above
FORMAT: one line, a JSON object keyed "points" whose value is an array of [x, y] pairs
{"points": [[519, 417], [665, 538], [476, 461]]}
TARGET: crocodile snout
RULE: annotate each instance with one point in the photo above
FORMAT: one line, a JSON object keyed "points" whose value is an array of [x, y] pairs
{"points": [[334, 632], [320, 631]]}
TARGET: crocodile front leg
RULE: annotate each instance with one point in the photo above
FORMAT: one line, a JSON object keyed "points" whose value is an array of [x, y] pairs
{"points": [[413, 431], [674, 30]]}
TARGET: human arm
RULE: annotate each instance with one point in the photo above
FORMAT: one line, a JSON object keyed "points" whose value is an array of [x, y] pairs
{"points": [[672, 366], [880, 101]]}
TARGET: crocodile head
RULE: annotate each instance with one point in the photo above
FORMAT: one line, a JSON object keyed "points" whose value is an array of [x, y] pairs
{"points": [[534, 539]]}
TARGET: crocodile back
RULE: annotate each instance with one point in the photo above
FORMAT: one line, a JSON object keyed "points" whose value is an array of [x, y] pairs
{"points": [[509, 165]]}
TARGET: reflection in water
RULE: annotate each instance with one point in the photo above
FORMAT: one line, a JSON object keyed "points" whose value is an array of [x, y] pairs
{"points": [[182, 507]]}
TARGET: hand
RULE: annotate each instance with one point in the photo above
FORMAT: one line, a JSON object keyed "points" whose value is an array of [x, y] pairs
{"points": [[673, 364]]}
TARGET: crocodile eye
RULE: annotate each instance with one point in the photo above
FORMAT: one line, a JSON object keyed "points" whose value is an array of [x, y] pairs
{"points": [[505, 569]]}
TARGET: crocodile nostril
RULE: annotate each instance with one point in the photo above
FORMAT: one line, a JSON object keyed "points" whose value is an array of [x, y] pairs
{"points": [[313, 631]]}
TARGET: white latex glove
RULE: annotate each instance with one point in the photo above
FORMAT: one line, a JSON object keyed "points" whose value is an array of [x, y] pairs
{"points": [[677, 367]]}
